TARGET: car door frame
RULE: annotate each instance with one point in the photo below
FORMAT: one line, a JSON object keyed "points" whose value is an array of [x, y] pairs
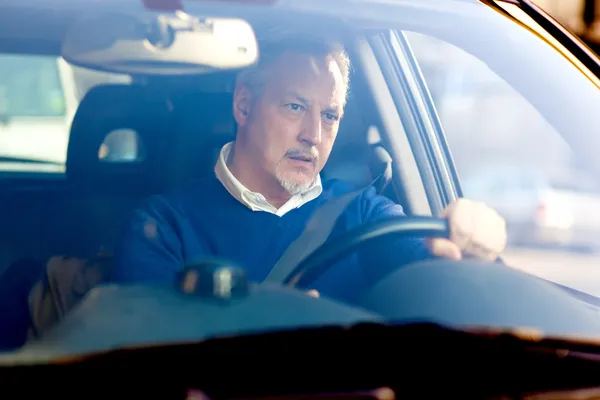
{"points": [[419, 116]]}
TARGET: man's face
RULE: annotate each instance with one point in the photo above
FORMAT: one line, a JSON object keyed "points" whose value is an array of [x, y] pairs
{"points": [[291, 126]]}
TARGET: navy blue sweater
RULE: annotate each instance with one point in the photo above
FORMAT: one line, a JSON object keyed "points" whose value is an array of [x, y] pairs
{"points": [[202, 219]]}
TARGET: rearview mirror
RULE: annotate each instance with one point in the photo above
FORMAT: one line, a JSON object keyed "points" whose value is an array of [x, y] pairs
{"points": [[158, 43]]}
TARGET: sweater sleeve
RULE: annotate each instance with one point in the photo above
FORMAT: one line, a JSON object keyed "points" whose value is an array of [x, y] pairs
{"points": [[386, 255], [149, 250]]}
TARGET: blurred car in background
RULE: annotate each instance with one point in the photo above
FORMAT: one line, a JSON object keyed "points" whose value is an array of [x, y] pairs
{"points": [[539, 211], [583, 196]]}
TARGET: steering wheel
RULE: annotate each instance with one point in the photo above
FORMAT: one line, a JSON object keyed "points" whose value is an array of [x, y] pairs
{"points": [[456, 293], [444, 290], [325, 257]]}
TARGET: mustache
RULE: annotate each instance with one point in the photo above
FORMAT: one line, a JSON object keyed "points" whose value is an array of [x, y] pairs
{"points": [[307, 152]]}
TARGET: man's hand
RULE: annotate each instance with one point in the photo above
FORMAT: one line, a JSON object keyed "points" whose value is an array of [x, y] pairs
{"points": [[475, 229]]}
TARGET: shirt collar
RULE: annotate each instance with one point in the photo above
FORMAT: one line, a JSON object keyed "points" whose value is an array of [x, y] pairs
{"points": [[256, 201]]}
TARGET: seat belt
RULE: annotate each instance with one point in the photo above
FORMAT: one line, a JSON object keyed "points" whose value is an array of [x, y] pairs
{"points": [[317, 231]]}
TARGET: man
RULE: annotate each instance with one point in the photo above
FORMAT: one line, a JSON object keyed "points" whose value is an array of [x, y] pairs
{"points": [[267, 186]]}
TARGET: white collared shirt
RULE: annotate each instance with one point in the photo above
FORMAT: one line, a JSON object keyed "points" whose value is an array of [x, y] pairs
{"points": [[256, 201]]}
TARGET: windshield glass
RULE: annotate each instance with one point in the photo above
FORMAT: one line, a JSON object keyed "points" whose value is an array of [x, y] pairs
{"points": [[314, 168]]}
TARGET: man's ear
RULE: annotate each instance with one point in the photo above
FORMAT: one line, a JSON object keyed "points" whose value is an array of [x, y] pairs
{"points": [[242, 103]]}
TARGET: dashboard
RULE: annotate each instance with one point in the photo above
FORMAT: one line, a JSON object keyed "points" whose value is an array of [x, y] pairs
{"points": [[366, 361]]}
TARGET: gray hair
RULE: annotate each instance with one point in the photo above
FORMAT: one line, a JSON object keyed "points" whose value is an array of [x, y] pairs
{"points": [[254, 77]]}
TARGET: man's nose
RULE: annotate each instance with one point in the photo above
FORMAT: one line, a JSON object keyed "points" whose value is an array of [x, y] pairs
{"points": [[311, 131]]}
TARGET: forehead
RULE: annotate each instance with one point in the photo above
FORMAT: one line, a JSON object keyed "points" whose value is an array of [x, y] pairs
{"points": [[315, 78]]}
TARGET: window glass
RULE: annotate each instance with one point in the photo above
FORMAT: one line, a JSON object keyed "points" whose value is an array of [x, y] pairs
{"points": [[39, 96], [510, 157], [30, 86]]}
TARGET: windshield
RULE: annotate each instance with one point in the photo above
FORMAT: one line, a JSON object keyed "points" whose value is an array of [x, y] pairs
{"points": [[297, 190]]}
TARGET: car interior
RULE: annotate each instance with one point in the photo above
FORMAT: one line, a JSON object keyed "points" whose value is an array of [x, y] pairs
{"points": [[175, 127], [180, 133], [179, 124]]}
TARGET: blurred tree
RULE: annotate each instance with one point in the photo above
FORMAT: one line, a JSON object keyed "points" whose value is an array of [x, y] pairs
{"points": [[569, 13], [591, 16]]}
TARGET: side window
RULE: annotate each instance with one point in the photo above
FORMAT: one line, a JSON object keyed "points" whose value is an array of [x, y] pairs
{"points": [[487, 123], [39, 96], [492, 130], [30, 86]]}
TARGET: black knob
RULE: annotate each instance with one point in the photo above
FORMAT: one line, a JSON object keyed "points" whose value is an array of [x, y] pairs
{"points": [[214, 278]]}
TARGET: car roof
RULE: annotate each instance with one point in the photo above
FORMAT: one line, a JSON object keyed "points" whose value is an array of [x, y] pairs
{"points": [[40, 25]]}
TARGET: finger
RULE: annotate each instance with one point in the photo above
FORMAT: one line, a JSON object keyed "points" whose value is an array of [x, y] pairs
{"points": [[444, 248], [460, 222], [490, 230], [476, 228]]}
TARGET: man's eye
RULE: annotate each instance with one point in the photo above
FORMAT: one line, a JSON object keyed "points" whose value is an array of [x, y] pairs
{"points": [[295, 107], [331, 117]]}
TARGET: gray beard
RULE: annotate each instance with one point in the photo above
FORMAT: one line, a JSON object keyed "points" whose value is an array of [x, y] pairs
{"points": [[294, 187]]}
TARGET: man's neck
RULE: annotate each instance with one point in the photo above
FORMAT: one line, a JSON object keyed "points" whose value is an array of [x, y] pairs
{"points": [[246, 171]]}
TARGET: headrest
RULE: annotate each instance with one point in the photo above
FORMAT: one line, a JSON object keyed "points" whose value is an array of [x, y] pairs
{"points": [[206, 109], [205, 119], [111, 107], [204, 122]]}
